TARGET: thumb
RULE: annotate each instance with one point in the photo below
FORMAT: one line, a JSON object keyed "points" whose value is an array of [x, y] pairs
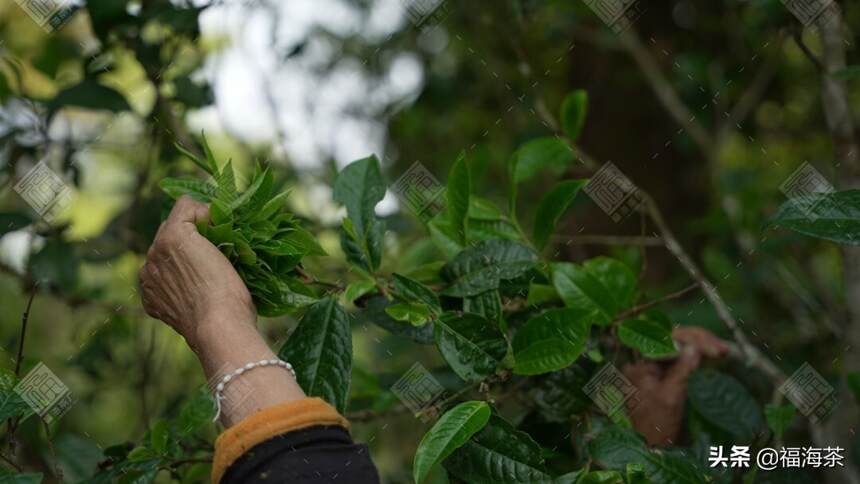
{"points": [[188, 210], [679, 373]]}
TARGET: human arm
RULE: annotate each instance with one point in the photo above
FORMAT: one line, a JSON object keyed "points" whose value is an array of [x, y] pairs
{"points": [[273, 429]]}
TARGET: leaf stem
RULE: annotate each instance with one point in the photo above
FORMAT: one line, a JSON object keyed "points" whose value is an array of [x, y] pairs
{"points": [[637, 310]]}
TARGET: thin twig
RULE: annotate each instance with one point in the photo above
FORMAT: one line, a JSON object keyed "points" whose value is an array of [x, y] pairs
{"points": [[751, 353], [12, 423], [312, 279], [666, 94], [808, 53], [367, 415], [24, 319], [57, 471], [753, 95], [637, 310], [370, 414], [645, 241], [9, 461]]}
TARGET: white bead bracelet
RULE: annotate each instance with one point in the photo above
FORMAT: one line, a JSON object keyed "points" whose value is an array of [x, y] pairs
{"points": [[219, 389]]}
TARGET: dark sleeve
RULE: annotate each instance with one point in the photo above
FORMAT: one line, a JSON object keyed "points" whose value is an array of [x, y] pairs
{"points": [[318, 454]]}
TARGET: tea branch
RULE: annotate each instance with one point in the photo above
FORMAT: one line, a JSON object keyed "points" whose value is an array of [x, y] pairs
{"points": [[637, 310], [644, 241], [751, 354]]}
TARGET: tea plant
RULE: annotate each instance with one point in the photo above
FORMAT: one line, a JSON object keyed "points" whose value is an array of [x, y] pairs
{"points": [[264, 243], [503, 316]]}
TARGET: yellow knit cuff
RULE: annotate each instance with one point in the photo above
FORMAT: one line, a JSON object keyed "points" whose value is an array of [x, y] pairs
{"points": [[267, 423]]}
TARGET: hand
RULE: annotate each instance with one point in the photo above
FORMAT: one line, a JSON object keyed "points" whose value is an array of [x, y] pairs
{"points": [[662, 394], [188, 283]]}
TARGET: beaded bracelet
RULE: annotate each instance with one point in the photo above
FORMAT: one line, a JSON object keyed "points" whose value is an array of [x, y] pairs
{"points": [[219, 389]]}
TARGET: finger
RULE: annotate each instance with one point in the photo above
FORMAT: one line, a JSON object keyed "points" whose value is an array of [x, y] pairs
{"points": [[188, 210], [703, 340], [678, 374], [686, 334]]}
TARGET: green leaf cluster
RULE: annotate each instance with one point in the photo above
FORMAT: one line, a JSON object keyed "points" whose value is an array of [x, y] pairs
{"points": [[251, 227]]}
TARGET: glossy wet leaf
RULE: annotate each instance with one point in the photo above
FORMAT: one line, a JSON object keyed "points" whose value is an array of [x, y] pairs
{"points": [[552, 206], [830, 216], [604, 285], [481, 267], [574, 109], [473, 346], [551, 341], [650, 334], [451, 431], [320, 349], [615, 448], [415, 314], [359, 187], [458, 192], [724, 402], [499, 454], [411, 290]]}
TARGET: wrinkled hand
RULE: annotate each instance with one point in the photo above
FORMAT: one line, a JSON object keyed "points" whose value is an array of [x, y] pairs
{"points": [[659, 408], [188, 283]]}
